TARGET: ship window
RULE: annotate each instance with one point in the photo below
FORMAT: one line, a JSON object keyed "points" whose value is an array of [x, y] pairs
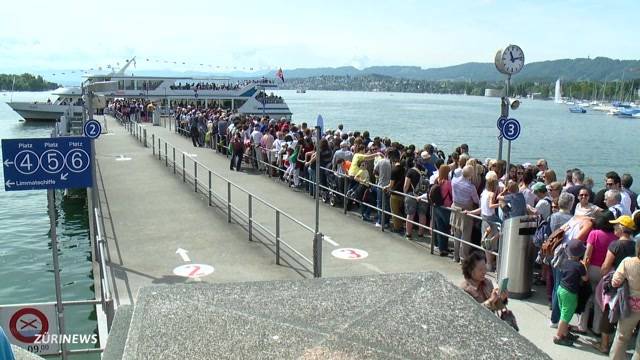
{"points": [[129, 85], [120, 84], [238, 103]]}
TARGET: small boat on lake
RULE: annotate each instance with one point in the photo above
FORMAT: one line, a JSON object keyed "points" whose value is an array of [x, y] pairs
{"points": [[578, 110]]}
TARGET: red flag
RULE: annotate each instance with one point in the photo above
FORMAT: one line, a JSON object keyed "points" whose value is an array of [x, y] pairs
{"points": [[280, 74]]}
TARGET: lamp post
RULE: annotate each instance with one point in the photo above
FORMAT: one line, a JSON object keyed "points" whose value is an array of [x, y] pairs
{"points": [[317, 236]]}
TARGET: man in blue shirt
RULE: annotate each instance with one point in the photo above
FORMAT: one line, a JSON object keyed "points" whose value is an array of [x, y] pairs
{"points": [[5, 347]]}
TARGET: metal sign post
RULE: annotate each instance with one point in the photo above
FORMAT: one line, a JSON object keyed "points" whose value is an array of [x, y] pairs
{"points": [[49, 163], [51, 198], [317, 238]]}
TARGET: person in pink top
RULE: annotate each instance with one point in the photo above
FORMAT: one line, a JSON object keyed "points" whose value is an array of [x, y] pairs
{"points": [[598, 242]]}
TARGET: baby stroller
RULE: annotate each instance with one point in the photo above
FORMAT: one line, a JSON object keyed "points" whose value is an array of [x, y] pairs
{"points": [[336, 183]]}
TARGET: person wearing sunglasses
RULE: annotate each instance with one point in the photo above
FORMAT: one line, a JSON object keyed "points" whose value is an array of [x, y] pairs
{"points": [[584, 207]]}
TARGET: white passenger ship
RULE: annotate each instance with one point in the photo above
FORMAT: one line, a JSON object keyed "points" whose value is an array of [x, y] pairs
{"points": [[245, 96]]}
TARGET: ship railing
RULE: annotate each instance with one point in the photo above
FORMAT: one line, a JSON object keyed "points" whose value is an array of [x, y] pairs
{"points": [[219, 191]]}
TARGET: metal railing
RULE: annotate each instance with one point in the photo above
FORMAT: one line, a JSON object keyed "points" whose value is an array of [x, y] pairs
{"points": [[342, 193], [106, 298], [202, 178]]}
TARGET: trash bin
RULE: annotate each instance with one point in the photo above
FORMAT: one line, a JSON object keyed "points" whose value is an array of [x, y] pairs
{"points": [[156, 118], [517, 255]]}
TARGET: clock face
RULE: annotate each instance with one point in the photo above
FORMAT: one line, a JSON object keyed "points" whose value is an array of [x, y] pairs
{"points": [[512, 59]]}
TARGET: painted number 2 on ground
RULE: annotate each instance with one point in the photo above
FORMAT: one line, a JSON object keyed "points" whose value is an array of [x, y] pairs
{"points": [[193, 270]]}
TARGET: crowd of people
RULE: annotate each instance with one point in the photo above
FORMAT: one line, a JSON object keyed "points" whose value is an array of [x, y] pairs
{"points": [[269, 99], [210, 85], [137, 110], [416, 190]]}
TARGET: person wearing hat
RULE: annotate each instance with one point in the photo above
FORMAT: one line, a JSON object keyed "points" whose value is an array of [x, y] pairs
{"points": [[629, 270], [543, 205], [573, 273], [617, 251]]}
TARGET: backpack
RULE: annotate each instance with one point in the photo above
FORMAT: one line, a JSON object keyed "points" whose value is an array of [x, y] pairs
{"points": [[542, 233], [435, 196], [552, 242], [423, 184]]}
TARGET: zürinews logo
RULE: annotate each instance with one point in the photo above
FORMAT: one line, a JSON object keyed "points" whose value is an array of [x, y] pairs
{"points": [[47, 338]]}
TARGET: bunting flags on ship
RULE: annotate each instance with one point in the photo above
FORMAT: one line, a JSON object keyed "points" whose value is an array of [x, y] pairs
{"points": [[180, 64]]}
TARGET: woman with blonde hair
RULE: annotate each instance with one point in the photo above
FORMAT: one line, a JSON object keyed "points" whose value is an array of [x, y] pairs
{"points": [[488, 211]]}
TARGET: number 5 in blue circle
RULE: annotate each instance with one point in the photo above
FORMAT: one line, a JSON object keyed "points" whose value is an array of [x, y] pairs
{"points": [[511, 129], [92, 129]]}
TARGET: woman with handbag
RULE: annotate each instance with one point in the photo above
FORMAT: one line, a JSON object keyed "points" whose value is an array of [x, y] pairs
{"points": [[627, 264]]}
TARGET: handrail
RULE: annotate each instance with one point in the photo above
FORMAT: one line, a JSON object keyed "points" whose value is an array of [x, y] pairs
{"points": [[373, 207], [199, 186], [106, 291]]}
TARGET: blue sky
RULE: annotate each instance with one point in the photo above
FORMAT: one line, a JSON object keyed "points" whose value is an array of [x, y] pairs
{"points": [[40, 36]]}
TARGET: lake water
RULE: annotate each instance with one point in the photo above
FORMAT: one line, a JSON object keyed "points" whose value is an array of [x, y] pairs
{"points": [[26, 269], [594, 142]]}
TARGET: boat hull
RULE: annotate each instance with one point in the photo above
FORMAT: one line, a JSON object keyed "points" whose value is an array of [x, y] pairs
{"points": [[42, 112]]}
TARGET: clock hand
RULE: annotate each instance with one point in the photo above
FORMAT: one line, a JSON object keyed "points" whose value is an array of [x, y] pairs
{"points": [[511, 54], [518, 58]]}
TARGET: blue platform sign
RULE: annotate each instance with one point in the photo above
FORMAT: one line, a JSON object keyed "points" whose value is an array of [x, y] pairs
{"points": [[92, 129], [511, 129], [46, 163], [501, 121]]}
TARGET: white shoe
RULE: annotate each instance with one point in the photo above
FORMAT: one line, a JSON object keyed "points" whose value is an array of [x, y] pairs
{"points": [[378, 225], [553, 325]]}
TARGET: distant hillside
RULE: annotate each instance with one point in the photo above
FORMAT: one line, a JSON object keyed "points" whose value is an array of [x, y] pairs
{"points": [[25, 82], [598, 69]]}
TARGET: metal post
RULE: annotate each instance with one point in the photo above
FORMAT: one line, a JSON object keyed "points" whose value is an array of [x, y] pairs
{"points": [[277, 237], [56, 267], [145, 137], [250, 212], [159, 150], [166, 155], [174, 159], [228, 202], [433, 235], [382, 205], [504, 111], [153, 143], [345, 201], [317, 255], [195, 176], [209, 187], [508, 160], [317, 238], [184, 176]]}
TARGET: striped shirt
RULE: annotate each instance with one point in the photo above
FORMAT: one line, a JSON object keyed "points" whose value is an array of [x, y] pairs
{"points": [[464, 193]]}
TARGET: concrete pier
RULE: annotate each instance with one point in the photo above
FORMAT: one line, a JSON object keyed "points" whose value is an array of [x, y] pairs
{"points": [[149, 213]]}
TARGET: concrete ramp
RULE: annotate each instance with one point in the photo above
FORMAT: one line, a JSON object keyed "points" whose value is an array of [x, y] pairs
{"points": [[417, 316]]}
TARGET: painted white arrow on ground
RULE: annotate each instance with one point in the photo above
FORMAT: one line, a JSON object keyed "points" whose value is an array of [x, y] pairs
{"points": [[63, 176], [183, 254], [7, 163], [329, 240], [9, 183]]}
